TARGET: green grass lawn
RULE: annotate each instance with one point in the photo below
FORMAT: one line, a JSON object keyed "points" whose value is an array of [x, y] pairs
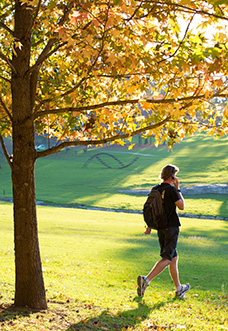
{"points": [[91, 260], [62, 180]]}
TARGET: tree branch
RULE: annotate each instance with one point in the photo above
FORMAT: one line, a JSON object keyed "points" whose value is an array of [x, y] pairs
{"points": [[46, 53], [7, 60], [182, 41], [124, 102], [58, 148], [5, 79], [186, 8], [45, 101], [34, 18], [5, 27], [85, 108], [34, 70], [5, 152], [6, 109], [135, 11], [4, 15], [90, 68], [66, 13]]}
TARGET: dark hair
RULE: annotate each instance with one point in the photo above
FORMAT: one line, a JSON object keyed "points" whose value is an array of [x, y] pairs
{"points": [[168, 171]]}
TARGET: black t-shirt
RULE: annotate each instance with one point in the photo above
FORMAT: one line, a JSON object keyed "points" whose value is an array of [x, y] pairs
{"points": [[170, 197]]}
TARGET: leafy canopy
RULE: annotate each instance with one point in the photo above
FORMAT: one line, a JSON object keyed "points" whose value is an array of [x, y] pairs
{"points": [[111, 69]]}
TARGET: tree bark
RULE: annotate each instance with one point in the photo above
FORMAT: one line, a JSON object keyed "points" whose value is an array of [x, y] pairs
{"points": [[29, 284]]}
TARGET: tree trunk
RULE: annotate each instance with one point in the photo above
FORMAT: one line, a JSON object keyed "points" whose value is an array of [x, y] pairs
{"points": [[29, 285], [29, 289]]}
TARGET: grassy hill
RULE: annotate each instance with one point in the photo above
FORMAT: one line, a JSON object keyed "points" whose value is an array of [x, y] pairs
{"points": [[62, 179]]}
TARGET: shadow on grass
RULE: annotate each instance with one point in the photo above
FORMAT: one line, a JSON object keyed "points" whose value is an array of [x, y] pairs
{"points": [[124, 320], [110, 321], [10, 313]]}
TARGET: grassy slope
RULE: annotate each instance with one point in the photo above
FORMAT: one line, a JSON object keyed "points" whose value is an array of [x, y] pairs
{"points": [[62, 179], [91, 260]]}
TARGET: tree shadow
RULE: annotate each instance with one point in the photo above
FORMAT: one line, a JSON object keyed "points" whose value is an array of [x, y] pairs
{"points": [[110, 321], [10, 313], [224, 207], [124, 320]]}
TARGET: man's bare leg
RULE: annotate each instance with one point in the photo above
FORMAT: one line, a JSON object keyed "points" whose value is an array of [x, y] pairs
{"points": [[158, 268], [173, 270]]}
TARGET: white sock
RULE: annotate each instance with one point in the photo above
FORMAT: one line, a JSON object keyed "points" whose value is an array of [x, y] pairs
{"points": [[147, 281], [178, 288]]}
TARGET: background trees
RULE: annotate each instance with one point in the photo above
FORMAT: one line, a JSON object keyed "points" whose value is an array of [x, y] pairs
{"points": [[89, 72]]}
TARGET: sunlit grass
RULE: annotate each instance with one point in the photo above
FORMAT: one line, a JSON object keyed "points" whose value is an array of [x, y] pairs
{"points": [[91, 260], [62, 180]]}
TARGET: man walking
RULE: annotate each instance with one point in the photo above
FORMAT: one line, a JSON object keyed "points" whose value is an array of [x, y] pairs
{"points": [[168, 237]]}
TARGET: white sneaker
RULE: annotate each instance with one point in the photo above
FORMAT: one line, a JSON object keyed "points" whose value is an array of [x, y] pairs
{"points": [[184, 289], [142, 285]]}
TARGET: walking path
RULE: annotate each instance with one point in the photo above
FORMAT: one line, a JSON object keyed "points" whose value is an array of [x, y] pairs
{"points": [[197, 189], [191, 190], [40, 203]]}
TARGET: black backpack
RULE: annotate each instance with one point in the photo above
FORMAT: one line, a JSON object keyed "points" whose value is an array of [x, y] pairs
{"points": [[154, 210]]}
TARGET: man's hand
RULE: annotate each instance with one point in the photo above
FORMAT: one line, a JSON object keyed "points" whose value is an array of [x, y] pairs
{"points": [[176, 183], [148, 230]]}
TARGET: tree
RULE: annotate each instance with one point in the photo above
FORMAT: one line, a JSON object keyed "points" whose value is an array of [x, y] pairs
{"points": [[91, 72]]}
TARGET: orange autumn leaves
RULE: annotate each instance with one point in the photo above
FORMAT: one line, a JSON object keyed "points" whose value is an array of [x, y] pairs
{"points": [[169, 74]]}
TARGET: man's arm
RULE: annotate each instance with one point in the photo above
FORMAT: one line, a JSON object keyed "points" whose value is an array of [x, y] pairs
{"points": [[179, 203]]}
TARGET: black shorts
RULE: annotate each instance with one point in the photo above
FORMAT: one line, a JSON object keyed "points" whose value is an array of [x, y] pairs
{"points": [[168, 242]]}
